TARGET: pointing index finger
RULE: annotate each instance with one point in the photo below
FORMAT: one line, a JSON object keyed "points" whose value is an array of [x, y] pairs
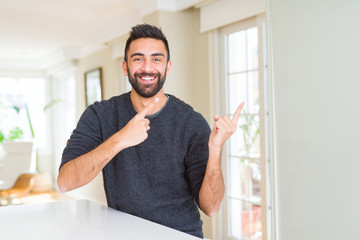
{"points": [[235, 119], [148, 108]]}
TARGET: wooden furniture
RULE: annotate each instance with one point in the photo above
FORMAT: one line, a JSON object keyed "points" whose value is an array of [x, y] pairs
{"points": [[22, 187]]}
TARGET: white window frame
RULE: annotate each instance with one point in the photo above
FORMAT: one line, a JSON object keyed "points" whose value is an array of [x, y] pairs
{"points": [[219, 91]]}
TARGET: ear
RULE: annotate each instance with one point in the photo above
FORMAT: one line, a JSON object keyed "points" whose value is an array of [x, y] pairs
{"points": [[124, 68], [168, 67]]}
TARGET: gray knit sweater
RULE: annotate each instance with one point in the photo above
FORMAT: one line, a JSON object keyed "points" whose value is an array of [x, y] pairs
{"points": [[159, 179]]}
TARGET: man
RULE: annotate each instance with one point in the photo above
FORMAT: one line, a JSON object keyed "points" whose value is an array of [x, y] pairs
{"points": [[159, 159]]}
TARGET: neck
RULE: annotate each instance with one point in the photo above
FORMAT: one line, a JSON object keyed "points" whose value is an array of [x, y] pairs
{"points": [[140, 102]]}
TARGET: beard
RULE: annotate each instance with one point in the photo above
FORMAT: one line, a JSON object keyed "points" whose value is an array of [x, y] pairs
{"points": [[147, 90]]}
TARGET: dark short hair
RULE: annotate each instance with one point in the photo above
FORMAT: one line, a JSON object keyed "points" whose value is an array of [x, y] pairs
{"points": [[146, 31]]}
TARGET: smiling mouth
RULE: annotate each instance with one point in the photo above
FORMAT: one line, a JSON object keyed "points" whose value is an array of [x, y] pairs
{"points": [[147, 78]]}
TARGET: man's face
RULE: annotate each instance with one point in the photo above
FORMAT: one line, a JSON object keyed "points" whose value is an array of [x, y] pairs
{"points": [[147, 66]]}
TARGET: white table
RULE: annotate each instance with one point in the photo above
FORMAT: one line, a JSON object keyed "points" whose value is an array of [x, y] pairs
{"points": [[79, 219]]}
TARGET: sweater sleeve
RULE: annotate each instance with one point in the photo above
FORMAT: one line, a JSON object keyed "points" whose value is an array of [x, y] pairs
{"points": [[86, 136], [197, 155]]}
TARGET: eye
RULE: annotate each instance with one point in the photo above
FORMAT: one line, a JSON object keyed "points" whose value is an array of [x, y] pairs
{"points": [[137, 59], [157, 60]]}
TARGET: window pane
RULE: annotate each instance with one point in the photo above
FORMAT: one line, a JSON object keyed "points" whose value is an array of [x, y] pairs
{"points": [[244, 195], [237, 52], [8, 85], [34, 95], [256, 227], [253, 88], [238, 139], [255, 176], [252, 48], [237, 91], [245, 220], [18, 93], [239, 181], [253, 143], [236, 208], [10, 118]]}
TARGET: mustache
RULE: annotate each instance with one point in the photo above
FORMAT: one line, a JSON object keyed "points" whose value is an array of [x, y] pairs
{"points": [[146, 74]]}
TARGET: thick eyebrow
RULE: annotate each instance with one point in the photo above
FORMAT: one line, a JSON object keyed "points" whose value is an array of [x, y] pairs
{"points": [[157, 54], [141, 54], [137, 54]]}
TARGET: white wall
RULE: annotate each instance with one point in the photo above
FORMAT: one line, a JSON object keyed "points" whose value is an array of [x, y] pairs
{"points": [[222, 12], [316, 60], [111, 86], [177, 27]]}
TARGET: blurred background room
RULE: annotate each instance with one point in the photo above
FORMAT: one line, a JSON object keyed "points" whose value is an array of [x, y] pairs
{"points": [[292, 167]]}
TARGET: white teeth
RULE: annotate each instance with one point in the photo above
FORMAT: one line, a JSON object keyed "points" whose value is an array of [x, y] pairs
{"points": [[148, 78]]}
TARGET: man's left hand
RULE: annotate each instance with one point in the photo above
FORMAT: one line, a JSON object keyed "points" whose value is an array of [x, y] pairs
{"points": [[224, 127]]}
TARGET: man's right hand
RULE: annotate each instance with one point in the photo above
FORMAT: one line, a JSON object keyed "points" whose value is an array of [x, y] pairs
{"points": [[83, 169], [135, 131]]}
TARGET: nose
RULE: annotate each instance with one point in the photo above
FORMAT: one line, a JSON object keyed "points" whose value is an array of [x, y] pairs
{"points": [[147, 66]]}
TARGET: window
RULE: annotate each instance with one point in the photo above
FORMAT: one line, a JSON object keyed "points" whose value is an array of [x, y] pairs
{"points": [[20, 98], [64, 87], [245, 200]]}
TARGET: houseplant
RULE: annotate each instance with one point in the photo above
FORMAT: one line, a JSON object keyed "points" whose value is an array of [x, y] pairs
{"points": [[16, 144]]}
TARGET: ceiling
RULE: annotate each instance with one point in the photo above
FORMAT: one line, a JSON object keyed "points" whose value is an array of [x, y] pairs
{"points": [[35, 32]]}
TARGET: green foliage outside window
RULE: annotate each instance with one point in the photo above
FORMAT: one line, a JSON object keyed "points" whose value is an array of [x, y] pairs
{"points": [[251, 131], [17, 132]]}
